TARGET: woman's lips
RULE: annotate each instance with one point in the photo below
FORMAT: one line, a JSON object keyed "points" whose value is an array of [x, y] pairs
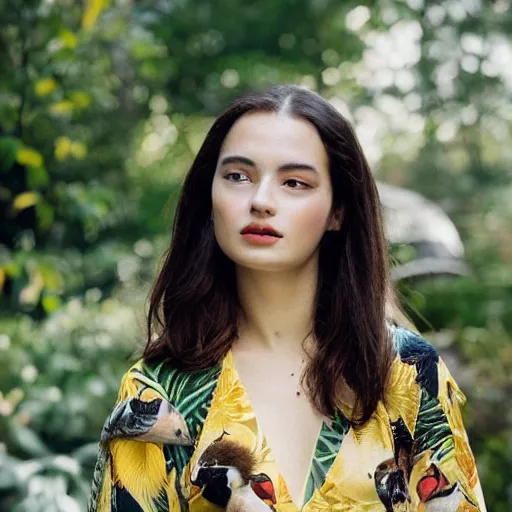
{"points": [[260, 239]]}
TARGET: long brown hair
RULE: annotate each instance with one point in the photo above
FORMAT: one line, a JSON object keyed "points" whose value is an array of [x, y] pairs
{"points": [[194, 308]]}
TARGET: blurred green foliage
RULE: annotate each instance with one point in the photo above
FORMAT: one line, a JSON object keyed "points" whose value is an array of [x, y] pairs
{"points": [[103, 106]]}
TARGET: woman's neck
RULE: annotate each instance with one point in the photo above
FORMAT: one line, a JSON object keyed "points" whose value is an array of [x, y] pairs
{"points": [[278, 307]]}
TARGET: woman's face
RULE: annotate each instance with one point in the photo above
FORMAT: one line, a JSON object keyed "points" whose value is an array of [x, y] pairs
{"points": [[272, 171]]}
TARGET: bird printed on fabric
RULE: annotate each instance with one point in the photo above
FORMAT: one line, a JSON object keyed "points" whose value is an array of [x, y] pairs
{"points": [[147, 424], [391, 485], [434, 490], [156, 421], [437, 493], [392, 475], [226, 474]]}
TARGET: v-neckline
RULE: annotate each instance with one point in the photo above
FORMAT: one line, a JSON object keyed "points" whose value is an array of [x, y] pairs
{"points": [[229, 359]]}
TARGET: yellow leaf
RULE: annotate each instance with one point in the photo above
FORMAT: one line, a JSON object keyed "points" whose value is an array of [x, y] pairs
{"points": [[92, 10], [63, 107], [51, 303], [29, 156], [2, 278], [80, 98], [12, 269], [62, 147], [53, 280], [32, 291], [45, 86], [25, 200], [68, 38], [78, 150], [65, 147]]}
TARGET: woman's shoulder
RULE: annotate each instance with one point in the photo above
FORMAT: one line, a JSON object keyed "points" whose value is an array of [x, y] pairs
{"points": [[430, 375], [167, 378], [159, 392], [410, 346], [423, 403]]}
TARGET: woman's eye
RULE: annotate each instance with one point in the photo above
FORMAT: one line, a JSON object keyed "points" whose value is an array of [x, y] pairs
{"points": [[297, 184], [239, 177], [235, 176]]}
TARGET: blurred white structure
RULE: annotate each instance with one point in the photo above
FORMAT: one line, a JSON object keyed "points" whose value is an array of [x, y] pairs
{"points": [[412, 219]]}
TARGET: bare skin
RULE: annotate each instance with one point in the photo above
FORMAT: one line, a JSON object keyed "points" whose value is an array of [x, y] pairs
{"points": [[289, 422], [277, 283]]}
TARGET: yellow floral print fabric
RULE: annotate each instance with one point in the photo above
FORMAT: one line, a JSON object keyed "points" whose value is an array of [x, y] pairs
{"points": [[160, 447]]}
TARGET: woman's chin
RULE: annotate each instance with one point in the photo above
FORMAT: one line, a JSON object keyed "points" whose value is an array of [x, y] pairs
{"points": [[265, 263], [262, 267]]}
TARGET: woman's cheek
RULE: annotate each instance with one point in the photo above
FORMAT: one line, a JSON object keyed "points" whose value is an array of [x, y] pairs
{"points": [[311, 223], [226, 222]]}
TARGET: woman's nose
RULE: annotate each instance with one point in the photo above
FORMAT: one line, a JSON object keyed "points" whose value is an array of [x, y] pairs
{"points": [[263, 200]]}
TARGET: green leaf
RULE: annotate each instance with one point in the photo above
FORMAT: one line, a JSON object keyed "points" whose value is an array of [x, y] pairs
{"points": [[28, 441], [151, 384], [45, 215], [8, 149], [432, 429], [37, 177], [327, 448], [9, 478]]}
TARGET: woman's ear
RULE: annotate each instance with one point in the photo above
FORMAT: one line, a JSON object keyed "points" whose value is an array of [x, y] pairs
{"points": [[336, 220]]}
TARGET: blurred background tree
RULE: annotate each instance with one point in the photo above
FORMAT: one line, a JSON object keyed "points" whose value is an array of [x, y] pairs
{"points": [[103, 107]]}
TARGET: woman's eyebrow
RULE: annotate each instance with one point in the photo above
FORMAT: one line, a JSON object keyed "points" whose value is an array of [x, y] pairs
{"points": [[291, 166]]}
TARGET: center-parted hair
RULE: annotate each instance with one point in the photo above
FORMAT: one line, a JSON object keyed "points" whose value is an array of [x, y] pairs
{"points": [[194, 306]]}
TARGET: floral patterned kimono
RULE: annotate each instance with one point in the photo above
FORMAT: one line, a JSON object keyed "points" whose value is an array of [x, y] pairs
{"points": [[411, 455]]}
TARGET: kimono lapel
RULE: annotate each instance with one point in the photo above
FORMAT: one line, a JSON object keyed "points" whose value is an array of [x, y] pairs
{"points": [[232, 412]]}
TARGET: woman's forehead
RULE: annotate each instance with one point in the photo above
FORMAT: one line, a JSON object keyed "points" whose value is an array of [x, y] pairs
{"points": [[267, 137]]}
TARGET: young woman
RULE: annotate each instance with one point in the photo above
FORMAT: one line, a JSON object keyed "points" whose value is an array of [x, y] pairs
{"points": [[274, 377]]}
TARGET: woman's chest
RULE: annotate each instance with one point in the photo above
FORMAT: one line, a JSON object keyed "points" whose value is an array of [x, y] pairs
{"points": [[290, 425], [299, 457]]}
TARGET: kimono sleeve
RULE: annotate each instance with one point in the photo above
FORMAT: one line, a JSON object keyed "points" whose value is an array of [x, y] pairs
{"points": [[445, 471], [134, 471]]}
